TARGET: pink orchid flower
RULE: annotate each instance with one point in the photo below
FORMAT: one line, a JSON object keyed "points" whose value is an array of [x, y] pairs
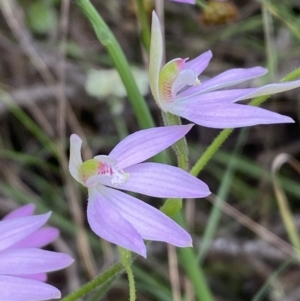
{"points": [[23, 265], [123, 219], [177, 89]]}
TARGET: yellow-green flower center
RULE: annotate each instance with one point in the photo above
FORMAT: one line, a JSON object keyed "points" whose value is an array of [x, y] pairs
{"points": [[89, 168], [167, 76], [95, 167]]}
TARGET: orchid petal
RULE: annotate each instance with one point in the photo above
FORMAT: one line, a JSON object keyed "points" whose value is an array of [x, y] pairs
{"points": [[39, 277], [228, 78], [14, 230], [106, 159], [21, 289], [144, 144], [220, 116], [185, 78], [199, 63], [98, 179], [38, 239], [150, 223], [172, 79], [106, 221], [240, 94], [75, 157], [163, 181], [22, 211], [32, 261], [268, 90], [156, 55], [223, 96]]}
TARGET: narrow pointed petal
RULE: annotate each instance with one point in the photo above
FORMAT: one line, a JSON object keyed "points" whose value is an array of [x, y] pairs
{"points": [[225, 79], [144, 144], [223, 96], [39, 277], [222, 116], [106, 221], [38, 239], [14, 230], [156, 55], [75, 159], [163, 181], [231, 96], [25, 210], [21, 289], [32, 261], [200, 63], [150, 223], [266, 90]]}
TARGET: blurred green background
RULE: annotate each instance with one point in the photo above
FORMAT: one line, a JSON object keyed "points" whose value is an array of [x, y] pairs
{"points": [[57, 79]]}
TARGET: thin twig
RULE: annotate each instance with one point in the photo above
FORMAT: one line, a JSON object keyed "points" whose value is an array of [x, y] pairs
{"points": [[62, 103], [174, 273], [13, 15], [256, 228]]}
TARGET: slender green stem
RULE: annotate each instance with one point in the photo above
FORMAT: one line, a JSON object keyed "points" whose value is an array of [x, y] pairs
{"points": [[145, 120], [132, 291], [108, 40], [180, 146], [261, 294], [271, 53], [286, 213], [29, 123], [282, 14], [106, 37], [99, 280], [145, 28], [171, 207], [215, 214], [283, 203], [210, 151], [187, 256], [289, 77], [102, 290], [201, 3], [195, 273], [125, 256]]}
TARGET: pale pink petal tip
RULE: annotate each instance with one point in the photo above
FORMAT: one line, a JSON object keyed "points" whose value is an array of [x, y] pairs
{"points": [[14, 230], [39, 277], [109, 224], [148, 221], [166, 181], [21, 211], [32, 261], [21, 289], [74, 138], [39, 239], [145, 144], [23, 268]]}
